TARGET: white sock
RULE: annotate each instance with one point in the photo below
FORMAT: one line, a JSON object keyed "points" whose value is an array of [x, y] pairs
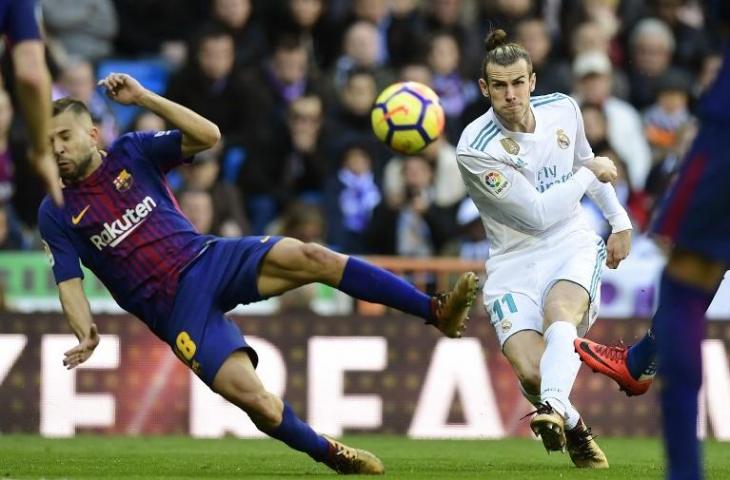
{"points": [[558, 368]]}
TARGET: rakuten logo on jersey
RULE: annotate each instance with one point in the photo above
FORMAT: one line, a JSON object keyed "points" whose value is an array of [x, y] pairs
{"points": [[119, 229]]}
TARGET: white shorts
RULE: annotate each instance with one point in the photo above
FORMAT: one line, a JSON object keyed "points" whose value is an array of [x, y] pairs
{"points": [[518, 282]]}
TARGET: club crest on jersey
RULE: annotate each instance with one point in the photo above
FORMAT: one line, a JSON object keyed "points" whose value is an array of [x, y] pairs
{"points": [[124, 181], [510, 146], [563, 139], [497, 184], [506, 326]]}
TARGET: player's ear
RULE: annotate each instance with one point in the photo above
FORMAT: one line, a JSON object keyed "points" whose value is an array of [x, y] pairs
{"points": [[95, 134], [483, 87], [533, 82]]}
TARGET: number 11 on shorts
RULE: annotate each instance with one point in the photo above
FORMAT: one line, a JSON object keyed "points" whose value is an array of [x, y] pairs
{"points": [[508, 301]]}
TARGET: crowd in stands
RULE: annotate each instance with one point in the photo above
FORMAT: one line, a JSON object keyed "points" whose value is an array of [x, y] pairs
{"points": [[290, 83]]}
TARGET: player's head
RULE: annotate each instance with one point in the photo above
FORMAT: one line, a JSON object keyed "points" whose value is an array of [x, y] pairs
{"points": [[74, 138], [507, 77]]}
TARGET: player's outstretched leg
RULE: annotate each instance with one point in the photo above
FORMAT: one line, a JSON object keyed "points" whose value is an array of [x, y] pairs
{"points": [[238, 383], [291, 263], [613, 361]]}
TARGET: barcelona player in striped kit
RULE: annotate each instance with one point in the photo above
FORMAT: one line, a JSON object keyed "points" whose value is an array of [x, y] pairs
{"points": [[122, 222], [694, 218]]}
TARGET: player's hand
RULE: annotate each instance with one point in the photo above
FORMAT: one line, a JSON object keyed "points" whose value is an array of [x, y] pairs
{"points": [[618, 247], [47, 168], [603, 168], [81, 352], [123, 88]]}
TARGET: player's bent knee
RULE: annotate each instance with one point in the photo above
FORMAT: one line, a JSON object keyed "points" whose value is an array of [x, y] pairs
{"points": [[322, 260], [563, 309]]}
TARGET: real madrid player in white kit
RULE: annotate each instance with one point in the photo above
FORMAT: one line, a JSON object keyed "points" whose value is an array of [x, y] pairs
{"points": [[526, 164]]}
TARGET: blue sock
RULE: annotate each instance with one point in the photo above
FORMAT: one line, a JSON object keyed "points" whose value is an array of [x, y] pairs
{"points": [[641, 358], [300, 436], [679, 328], [367, 282]]}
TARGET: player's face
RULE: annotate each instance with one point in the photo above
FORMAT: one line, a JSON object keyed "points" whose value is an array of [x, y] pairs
{"points": [[74, 141], [508, 88]]}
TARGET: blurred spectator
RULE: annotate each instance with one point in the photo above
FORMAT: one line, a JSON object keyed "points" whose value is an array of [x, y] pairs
{"points": [[208, 84], [590, 37], [351, 195], [284, 76], [284, 168], [81, 28], [11, 233], [668, 114], [505, 14], [197, 206], [351, 118], [472, 243], [7, 162], [249, 38], [553, 74], [307, 19], [360, 52], [446, 16], [229, 219], [596, 126], [147, 121], [406, 31], [592, 72], [455, 91], [415, 72], [77, 80], [692, 43], [652, 46], [377, 13], [157, 27], [447, 188], [609, 20], [667, 124], [412, 226]]}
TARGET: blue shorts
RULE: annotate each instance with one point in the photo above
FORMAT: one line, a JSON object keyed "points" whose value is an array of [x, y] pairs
{"points": [[220, 278], [695, 214]]}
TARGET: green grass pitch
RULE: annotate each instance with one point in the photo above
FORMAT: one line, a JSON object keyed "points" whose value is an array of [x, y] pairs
{"points": [[182, 458]]}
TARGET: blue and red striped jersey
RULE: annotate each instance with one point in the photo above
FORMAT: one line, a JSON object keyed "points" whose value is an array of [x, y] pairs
{"points": [[123, 223]]}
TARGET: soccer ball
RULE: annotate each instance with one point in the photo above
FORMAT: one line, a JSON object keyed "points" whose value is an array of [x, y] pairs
{"points": [[407, 116]]}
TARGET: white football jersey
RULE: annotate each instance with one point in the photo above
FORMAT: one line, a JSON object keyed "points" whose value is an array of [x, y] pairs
{"points": [[528, 186]]}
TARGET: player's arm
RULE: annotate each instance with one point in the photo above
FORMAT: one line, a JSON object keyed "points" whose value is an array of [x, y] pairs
{"points": [[33, 87], [198, 133], [78, 315], [509, 191], [64, 260], [604, 196]]}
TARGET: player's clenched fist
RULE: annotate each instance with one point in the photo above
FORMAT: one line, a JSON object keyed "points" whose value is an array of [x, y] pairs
{"points": [[603, 168], [123, 88]]}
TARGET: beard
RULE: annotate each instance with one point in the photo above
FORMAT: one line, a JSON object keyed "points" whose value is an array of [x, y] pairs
{"points": [[80, 170]]}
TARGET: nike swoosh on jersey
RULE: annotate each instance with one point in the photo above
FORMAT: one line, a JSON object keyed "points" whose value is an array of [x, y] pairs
{"points": [[77, 218], [265, 239]]}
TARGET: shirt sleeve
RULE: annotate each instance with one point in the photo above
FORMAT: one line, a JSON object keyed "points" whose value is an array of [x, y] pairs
{"points": [[515, 199], [604, 196], [22, 21], [163, 148], [583, 150], [62, 255]]}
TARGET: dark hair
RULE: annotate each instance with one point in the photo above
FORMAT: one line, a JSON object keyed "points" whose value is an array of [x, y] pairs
{"points": [[503, 52], [67, 103]]}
